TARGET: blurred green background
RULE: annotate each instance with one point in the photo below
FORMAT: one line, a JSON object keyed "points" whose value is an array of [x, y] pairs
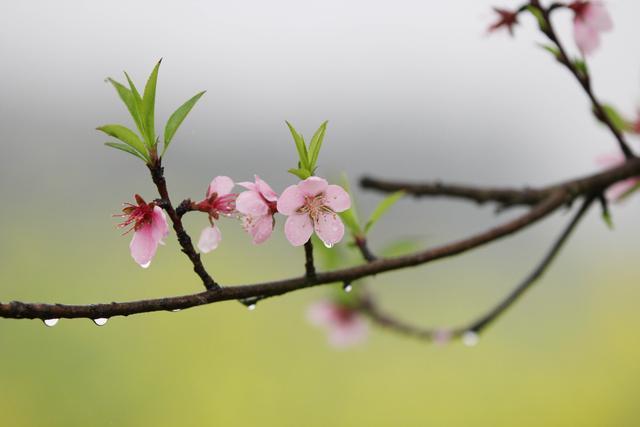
{"points": [[412, 89]]}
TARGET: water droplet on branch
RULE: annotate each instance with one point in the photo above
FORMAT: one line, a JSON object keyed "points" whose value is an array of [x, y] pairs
{"points": [[100, 321], [51, 322], [470, 338], [347, 287], [251, 307]]}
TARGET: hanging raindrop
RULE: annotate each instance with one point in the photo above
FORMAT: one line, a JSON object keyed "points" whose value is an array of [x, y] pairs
{"points": [[470, 338], [175, 310], [51, 322], [251, 307], [347, 287], [328, 245], [100, 321]]}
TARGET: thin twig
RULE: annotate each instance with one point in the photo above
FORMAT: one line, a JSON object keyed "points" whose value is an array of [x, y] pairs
{"points": [[369, 308], [583, 79], [505, 196], [310, 269], [484, 320], [157, 174]]}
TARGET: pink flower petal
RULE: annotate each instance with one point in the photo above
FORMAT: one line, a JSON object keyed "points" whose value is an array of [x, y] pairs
{"points": [[261, 228], [248, 185], [209, 239], [298, 229], [598, 16], [221, 185], [290, 200], [313, 186], [329, 228], [159, 226], [349, 334], [265, 190], [587, 37], [250, 203], [337, 199], [143, 245], [321, 313]]}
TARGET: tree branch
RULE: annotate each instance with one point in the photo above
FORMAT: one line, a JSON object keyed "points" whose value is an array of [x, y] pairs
{"points": [[482, 322], [370, 309], [583, 79], [157, 175], [590, 185], [506, 196], [310, 269]]}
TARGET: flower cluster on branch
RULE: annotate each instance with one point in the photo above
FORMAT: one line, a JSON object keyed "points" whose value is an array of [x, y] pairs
{"points": [[314, 206]]}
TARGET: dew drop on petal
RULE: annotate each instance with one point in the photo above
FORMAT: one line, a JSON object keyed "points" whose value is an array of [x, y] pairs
{"points": [[328, 245], [51, 322], [100, 321], [251, 307], [347, 287], [470, 338], [146, 265]]}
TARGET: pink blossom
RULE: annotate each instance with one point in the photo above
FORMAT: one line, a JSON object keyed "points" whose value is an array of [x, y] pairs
{"points": [[506, 19], [257, 206], [150, 227], [617, 190], [345, 326], [219, 201], [591, 18], [311, 205]]}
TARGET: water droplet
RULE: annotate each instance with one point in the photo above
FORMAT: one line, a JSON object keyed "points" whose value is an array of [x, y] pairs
{"points": [[146, 265], [347, 287], [51, 322], [251, 307], [328, 245], [100, 321], [470, 338], [175, 310]]}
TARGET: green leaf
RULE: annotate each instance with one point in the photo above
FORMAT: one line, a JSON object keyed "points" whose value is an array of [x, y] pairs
{"points": [[351, 221], [537, 13], [350, 216], [551, 49], [127, 149], [177, 118], [615, 118], [606, 217], [344, 180], [582, 68], [127, 136], [316, 144], [139, 109], [301, 146], [629, 192], [300, 173], [149, 102], [382, 208], [127, 97]]}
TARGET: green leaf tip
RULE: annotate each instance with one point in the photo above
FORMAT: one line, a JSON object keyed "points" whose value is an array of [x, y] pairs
{"points": [[382, 208], [308, 156], [177, 118]]}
